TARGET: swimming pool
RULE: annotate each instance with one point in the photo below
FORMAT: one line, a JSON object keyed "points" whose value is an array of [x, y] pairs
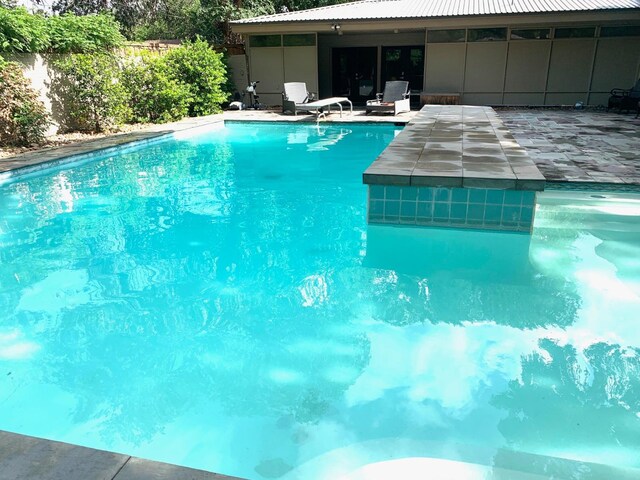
{"points": [[218, 301]]}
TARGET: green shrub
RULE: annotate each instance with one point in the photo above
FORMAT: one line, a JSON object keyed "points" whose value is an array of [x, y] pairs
{"points": [[90, 33], [21, 31], [154, 96], [195, 64], [86, 86], [23, 117]]}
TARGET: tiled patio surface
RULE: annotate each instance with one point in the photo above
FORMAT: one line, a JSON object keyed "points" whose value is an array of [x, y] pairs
{"points": [[579, 146]]}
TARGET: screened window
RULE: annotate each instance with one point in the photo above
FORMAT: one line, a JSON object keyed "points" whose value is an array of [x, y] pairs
{"points": [[626, 31], [299, 40], [579, 32], [531, 34], [487, 34], [265, 41], [445, 36]]}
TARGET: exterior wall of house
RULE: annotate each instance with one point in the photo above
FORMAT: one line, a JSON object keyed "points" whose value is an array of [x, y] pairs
{"points": [[238, 71], [510, 71], [275, 65], [533, 72]]}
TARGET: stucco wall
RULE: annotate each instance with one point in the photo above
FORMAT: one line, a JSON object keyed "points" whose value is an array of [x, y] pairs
{"points": [[238, 71], [38, 70]]}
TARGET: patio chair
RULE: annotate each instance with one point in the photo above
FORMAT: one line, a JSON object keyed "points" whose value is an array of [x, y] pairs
{"points": [[625, 99], [295, 96], [395, 98]]}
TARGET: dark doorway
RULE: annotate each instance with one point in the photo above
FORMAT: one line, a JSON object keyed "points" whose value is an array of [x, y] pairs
{"points": [[404, 63], [355, 73]]}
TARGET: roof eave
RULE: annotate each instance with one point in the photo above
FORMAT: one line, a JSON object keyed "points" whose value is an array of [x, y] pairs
{"points": [[378, 24]]}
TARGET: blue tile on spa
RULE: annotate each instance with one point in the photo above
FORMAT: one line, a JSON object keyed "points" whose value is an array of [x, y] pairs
{"points": [[425, 194], [392, 193], [409, 194], [459, 195], [443, 195], [477, 195], [495, 196], [376, 192]]}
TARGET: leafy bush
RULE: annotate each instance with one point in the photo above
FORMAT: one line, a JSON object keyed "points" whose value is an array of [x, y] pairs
{"points": [[21, 31], [91, 33], [23, 117], [202, 69], [86, 86], [154, 96]]}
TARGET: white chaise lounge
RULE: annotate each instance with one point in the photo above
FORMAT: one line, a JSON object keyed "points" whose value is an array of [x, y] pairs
{"points": [[296, 98]]}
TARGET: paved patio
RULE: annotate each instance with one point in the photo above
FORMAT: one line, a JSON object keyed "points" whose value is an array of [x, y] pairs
{"points": [[584, 146]]}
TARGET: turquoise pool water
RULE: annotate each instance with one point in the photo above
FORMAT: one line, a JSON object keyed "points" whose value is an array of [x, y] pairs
{"points": [[218, 301]]}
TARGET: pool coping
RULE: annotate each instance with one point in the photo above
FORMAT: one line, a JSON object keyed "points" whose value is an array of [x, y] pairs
{"points": [[34, 161], [458, 146], [50, 157], [30, 458]]}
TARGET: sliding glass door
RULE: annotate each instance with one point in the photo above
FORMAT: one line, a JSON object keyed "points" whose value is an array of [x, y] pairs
{"points": [[355, 73]]}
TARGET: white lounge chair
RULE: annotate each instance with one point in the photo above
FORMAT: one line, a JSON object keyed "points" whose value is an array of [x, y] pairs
{"points": [[395, 98], [295, 97]]}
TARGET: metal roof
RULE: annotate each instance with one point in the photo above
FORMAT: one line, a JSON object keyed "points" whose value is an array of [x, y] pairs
{"points": [[390, 9]]}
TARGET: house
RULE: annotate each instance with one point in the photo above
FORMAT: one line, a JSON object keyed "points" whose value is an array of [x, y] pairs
{"points": [[493, 52]]}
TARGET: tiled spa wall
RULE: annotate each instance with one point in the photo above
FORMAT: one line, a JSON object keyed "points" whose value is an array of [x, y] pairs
{"points": [[452, 207]]}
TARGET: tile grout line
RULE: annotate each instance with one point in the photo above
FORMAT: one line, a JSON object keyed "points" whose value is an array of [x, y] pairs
{"points": [[121, 467]]}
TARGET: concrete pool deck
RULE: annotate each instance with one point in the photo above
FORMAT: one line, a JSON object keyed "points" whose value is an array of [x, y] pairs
{"points": [[29, 458], [588, 148], [579, 147], [50, 156]]}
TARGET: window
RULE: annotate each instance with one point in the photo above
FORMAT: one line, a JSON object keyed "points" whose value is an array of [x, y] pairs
{"points": [[445, 36], [531, 34], [299, 40], [579, 32], [404, 63], [487, 34], [265, 41], [626, 31]]}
